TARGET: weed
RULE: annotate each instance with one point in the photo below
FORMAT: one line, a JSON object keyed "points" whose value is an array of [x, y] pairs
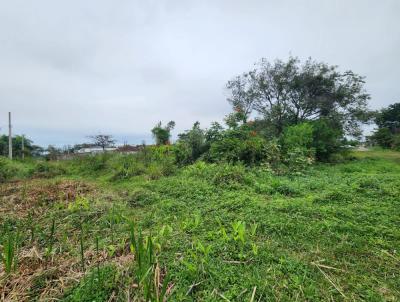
{"points": [[82, 252], [31, 226], [10, 251], [96, 286], [147, 270], [79, 204], [50, 240]]}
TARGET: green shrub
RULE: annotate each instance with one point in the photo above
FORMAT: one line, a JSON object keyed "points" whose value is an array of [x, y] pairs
{"points": [[227, 174], [336, 158], [92, 164], [226, 149], [153, 162], [396, 142], [285, 188], [183, 154], [369, 184], [47, 170], [164, 167], [382, 137], [200, 169], [298, 137], [297, 160], [245, 146], [327, 139], [191, 145], [142, 197], [7, 169], [333, 197], [127, 167], [219, 174]]}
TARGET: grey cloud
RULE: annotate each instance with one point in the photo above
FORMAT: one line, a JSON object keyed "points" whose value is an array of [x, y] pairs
{"points": [[71, 68]]}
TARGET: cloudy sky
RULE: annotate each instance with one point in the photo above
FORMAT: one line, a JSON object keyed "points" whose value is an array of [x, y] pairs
{"points": [[73, 68]]}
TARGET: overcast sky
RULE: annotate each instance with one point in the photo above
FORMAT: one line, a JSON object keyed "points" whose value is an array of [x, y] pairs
{"points": [[69, 69]]}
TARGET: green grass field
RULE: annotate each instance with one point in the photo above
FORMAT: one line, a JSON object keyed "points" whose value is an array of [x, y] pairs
{"points": [[219, 233]]}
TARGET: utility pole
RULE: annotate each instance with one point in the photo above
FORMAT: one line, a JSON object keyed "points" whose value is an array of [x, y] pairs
{"points": [[23, 146], [9, 137]]}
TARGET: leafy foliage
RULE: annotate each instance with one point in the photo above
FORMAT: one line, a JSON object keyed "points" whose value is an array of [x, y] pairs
{"points": [[162, 134], [287, 93], [327, 139], [388, 133], [29, 148], [191, 145]]}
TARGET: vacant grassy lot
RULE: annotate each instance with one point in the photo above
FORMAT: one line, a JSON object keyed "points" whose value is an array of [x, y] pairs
{"points": [[219, 233]]}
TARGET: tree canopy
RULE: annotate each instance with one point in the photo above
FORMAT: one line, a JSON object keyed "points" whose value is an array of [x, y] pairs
{"points": [[389, 118], [102, 140], [29, 148], [162, 134], [388, 133], [290, 92]]}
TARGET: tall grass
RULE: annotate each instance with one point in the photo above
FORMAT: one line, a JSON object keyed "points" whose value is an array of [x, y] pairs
{"points": [[147, 268], [49, 249], [10, 251], [82, 254]]}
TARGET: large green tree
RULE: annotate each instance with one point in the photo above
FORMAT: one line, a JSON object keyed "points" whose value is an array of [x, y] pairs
{"points": [[388, 133], [290, 92], [29, 148], [389, 118]]}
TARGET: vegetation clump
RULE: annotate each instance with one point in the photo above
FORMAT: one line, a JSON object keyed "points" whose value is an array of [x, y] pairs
{"points": [[387, 135]]}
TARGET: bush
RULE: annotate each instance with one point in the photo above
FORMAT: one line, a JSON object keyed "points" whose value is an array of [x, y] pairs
{"points": [[226, 149], [92, 164], [183, 154], [46, 170], [158, 161], [396, 142], [284, 188], [382, 137], [219, 174], [127, 167], [336, 158], [7, 169], [154, 162], [200, 169], [298, 137], [227, 174], [142, 197], [191, 145], [298, 160], [245, 146], [327, 139], [333, 197], [297, 147]]}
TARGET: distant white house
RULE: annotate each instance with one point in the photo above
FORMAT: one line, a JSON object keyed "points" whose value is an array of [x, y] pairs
{"points": [[95, 150]]}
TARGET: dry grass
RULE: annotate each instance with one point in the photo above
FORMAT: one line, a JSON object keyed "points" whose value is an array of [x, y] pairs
{"points": [[47, 280], [19, 198]]}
